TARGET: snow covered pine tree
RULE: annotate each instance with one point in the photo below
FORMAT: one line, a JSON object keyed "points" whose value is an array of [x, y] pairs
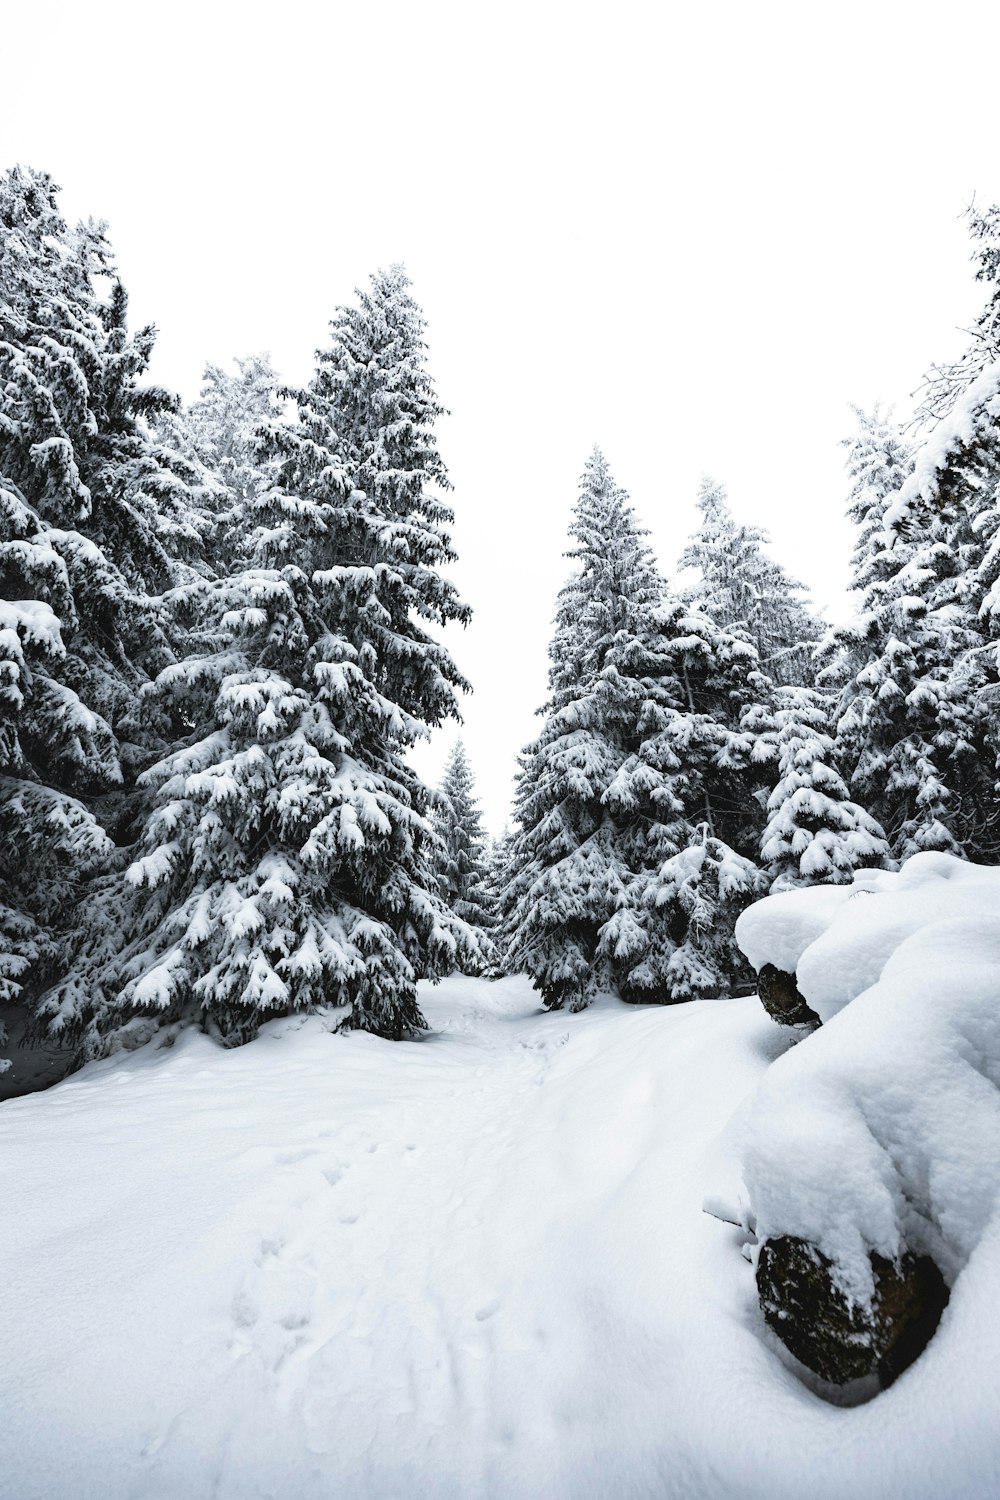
{"points": [[814, 834], [500, 870], [684, 910], [911, 730], [568, 865], [463, 861], [94, 514], [747, 592], [222, 428], [288, 862], [622, 876], [947, 516]]}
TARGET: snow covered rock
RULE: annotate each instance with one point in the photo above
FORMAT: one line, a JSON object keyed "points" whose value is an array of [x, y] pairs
{"points": [[782, 999], [839, 1339], [877, 1145], [774, 933], [779, 929]]}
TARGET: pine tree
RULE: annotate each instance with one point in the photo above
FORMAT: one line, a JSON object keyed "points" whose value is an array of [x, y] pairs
{"points": [[879, 462], [218, 437], [623, 876], [463, 863], [947, 516], [583, 789], [501, 867], [747, 592], [287, 864], [910, 732], [94, 518], [679, 921], [945, 385], [814, 833], [223, 427]]}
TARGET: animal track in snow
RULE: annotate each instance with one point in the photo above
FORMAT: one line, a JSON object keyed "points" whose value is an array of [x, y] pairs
{"points": [[274, 1305]]}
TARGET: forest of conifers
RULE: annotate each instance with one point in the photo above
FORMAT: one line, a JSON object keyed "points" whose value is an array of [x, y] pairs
{"points": [[220, 638]]}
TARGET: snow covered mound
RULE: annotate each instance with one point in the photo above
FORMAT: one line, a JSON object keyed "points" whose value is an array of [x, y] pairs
{"points": [[837, 941], [879, 1135]]}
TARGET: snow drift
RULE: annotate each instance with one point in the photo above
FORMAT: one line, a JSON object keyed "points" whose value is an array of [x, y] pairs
{"points": [[880, 1133]]}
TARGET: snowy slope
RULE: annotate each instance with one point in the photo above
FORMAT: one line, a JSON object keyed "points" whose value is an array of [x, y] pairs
{"points": [[325, 1266]]}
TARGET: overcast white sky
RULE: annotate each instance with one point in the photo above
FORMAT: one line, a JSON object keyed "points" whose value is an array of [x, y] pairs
{"points": [[693, 234]]}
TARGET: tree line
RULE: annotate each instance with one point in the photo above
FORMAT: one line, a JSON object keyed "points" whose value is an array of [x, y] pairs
{"points": [[703, 747], [219, 642]]}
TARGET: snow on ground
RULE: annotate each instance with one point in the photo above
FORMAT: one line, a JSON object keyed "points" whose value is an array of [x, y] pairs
{"points": [[472, 1266]]}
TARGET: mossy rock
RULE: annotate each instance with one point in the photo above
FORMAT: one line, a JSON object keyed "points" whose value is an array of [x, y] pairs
{"points": [[838, 1341], [780, 997]]}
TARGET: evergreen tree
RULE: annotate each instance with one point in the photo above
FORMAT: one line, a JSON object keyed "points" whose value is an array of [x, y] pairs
{"points": [[747, 592], [814, 833], [879, 462], [944, 385], [223, 427], [947, 515], [95, 516], [219, 437], [287, 864], [583, 789], [674, 938], [910, 731], [500, 868], [623, 877], [463, 862]]}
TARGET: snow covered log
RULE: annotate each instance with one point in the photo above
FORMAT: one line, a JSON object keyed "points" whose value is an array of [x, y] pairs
{"points": [[871, 1154]]}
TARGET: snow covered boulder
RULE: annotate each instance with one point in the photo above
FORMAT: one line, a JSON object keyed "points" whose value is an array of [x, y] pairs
{"points": [[782, 999], [837, 1338], [871, 1155], [774, 934], [779, 929]]}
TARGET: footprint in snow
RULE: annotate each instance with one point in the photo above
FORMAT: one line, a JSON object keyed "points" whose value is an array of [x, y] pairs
{"points": [[273, 1307], [292, 1158], [244, 1310]]}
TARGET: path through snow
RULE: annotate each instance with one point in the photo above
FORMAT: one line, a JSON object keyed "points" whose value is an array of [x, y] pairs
{"points": [[328, 1266]]}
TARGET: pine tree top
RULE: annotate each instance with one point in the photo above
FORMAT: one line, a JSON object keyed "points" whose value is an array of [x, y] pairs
{"points": [[745, 590], [374, 375]]}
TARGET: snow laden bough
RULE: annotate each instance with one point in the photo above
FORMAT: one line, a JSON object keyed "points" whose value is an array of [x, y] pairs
{"points": [[871, 1152]]}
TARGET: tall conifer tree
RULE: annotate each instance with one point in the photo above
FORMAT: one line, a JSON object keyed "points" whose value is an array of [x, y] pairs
{"points": [[95, 518], [946, 516], [288, 862], [910, 731], [463, 859], [582, 787], [682, 914], [624, 877]]}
